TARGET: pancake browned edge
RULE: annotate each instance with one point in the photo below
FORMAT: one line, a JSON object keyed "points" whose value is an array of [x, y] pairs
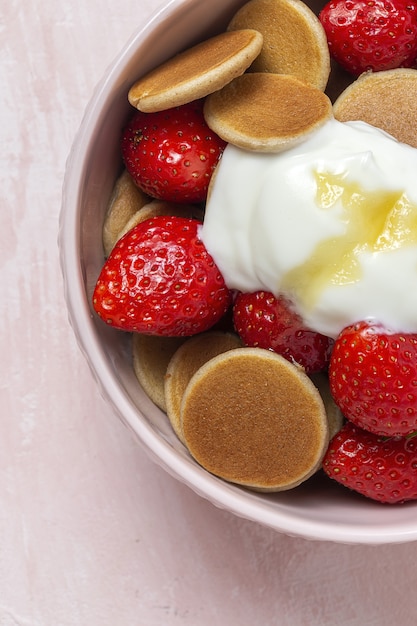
{"points": [[253, 418], [125, 201], [151, 355], [335, 416], [266, 112], [189, 357], [384, 99], [196, 72], [294, 39]]}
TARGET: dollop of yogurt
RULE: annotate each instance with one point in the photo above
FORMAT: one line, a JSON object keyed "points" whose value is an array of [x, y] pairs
{"points": [[331, 223]]}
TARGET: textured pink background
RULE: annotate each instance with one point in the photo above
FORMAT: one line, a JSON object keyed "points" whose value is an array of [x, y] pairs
{"points": [[92, 533]]}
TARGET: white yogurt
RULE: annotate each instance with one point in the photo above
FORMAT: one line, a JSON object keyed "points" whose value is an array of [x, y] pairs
{"points": [[332, 223]]}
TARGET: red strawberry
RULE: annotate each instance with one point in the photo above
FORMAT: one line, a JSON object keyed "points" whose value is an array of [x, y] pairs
{"points": [[171, 155], [373, 378], [379, 468], [371, 34], [267, 322], [159, 279]]}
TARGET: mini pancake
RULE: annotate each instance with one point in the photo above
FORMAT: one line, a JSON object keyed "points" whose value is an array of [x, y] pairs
{"points": [[161, 207], [266, 112], [189, 357], [294, 39], [335, 416], [253, 418], [151, 355], [384, 99], [125, 201], [198, 71]]}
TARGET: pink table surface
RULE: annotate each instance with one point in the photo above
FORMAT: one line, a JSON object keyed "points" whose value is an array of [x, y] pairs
{"points": [[92, 533]]}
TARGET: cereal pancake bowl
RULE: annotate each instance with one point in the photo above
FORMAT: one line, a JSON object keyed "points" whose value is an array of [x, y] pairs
{"points": [[318, 508]]}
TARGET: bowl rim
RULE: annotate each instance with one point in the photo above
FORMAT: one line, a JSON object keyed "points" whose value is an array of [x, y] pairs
{"points": [[218, 492]]}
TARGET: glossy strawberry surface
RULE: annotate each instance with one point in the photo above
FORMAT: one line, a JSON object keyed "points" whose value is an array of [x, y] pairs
{"points": [[159, 279], [373, 378], [384, 469], [371, 35], [171, 154], [264, 321]]}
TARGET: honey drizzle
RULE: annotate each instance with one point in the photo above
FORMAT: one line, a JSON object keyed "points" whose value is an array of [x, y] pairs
{"points": [[375, 221]]}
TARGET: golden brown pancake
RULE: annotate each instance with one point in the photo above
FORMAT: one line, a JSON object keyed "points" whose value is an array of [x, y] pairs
{"points": [[198, 71], [334, 414], [253, 418], [266, 112], [384, 99], [161, 207], [189, 357], [151, 355], [125, 201], [294, 39]]}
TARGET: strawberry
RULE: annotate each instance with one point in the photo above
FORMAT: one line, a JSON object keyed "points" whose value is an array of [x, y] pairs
{"points": [[159, 279], [371, 34], [384, 469], [264, 321], [171, 155], [373, 378]]}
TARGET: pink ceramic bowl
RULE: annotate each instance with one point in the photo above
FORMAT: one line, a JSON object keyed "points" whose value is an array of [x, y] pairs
{"points": [[317, 509]]}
